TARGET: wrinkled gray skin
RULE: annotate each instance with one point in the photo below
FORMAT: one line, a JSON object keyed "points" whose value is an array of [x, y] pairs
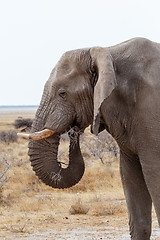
{"points": [[117, 89]]}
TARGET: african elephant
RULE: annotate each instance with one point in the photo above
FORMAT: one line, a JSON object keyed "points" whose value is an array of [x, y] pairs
{"points": [[115, 88]]}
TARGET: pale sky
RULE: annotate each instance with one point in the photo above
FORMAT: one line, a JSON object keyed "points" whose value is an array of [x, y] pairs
{"points": [[35, 33]]}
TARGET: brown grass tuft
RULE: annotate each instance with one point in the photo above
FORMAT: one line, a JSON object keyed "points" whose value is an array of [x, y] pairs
{"points": [[107, 209], [78, 208]]}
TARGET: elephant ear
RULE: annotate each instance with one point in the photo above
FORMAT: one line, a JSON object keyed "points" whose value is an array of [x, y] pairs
{"points": [[102, 63]]}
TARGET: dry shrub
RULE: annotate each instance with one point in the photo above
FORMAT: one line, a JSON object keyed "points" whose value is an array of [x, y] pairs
{"points": [[9, 136], [78, 208], [99, 147], [4, 166], [107, 209], [23, 122], [96, 205], [102, 147]]}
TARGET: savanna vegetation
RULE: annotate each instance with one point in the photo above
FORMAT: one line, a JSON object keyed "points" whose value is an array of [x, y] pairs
{"points": [[27, 205]]}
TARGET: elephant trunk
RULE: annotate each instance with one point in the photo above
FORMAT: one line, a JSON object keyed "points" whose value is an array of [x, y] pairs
{"points": [[43, 157]]}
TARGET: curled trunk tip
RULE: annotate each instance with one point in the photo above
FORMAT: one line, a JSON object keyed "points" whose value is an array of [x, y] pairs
{"points": [[43, 157]]}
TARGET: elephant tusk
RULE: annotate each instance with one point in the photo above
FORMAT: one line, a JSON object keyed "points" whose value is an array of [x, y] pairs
{"points": [[37, 135]]}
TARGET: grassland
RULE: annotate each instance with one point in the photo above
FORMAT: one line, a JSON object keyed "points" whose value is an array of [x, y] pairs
{"points": [[93, 209]]}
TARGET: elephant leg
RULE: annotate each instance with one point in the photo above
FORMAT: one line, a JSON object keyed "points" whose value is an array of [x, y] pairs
{"points": [[138, 199], [151, 170]]}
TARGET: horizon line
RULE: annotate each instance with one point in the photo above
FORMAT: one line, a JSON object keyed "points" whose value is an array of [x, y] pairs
{"points": [[26, 105]]}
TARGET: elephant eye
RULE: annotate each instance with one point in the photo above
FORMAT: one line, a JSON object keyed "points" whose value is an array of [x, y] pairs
{"points": [[62, 94]]}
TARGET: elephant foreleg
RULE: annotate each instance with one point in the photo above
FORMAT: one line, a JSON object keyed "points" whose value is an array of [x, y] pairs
{"points": [[150, 162], [138, 199]]}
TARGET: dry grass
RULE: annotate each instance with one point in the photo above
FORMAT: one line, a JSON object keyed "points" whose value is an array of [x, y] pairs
{"points": [[78, 208], [109, 208], [22, 194], [26, 193]]}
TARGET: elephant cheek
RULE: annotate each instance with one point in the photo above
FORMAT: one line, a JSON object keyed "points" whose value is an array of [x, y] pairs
{"points": [[59, 122]]}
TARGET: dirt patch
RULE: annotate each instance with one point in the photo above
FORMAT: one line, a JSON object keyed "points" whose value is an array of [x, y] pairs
{"points": [[52, 225]]}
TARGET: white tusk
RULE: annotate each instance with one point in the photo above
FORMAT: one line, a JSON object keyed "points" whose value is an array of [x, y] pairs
{"points": [[37, 135], [24, 136]]}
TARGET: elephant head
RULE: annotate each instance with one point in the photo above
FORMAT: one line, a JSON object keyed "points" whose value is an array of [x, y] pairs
{"points": [[71, 100]]}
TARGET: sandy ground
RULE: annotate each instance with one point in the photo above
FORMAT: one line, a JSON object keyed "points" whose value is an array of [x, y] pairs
{"points": [[57, 226]]}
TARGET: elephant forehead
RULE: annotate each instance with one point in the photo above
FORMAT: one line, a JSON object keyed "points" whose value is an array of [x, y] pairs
{"points": [[67, 77], [69, 69], [74, 59]]}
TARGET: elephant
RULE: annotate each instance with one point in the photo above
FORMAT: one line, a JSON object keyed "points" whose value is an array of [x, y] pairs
{"points": [[117, 89]]}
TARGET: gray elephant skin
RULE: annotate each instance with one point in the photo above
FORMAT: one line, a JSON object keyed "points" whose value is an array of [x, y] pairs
{"points": [[115, 88]]}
